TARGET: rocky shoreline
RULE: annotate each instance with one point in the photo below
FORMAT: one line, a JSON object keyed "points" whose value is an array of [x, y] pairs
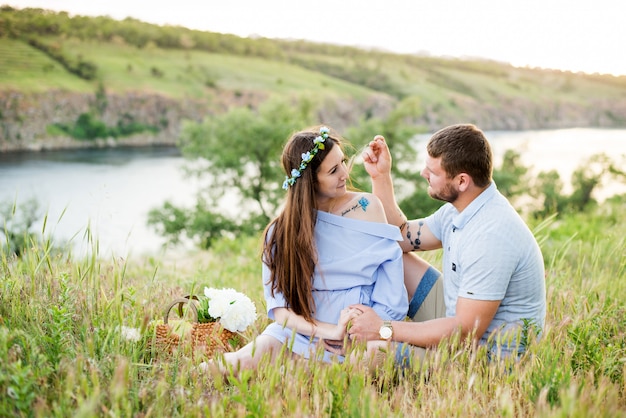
{"points": [[25, 119], [67, 143]]}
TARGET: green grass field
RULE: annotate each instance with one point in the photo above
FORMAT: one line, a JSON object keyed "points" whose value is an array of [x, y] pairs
{"points": [[174, 73], [187, 73], [29, 70], [62, 352]]}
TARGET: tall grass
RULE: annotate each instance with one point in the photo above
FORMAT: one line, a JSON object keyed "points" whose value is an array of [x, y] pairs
{"points": [[68, 346]]}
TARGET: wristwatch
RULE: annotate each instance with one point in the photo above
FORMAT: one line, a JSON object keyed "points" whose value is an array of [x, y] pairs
{"points": [[386, 331]]}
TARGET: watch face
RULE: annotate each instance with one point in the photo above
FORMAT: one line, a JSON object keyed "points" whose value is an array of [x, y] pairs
{"points": [[385, 333]]}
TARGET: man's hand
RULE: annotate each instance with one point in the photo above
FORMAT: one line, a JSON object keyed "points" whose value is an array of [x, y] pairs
{"points": [[365, 326], [376, 157]]}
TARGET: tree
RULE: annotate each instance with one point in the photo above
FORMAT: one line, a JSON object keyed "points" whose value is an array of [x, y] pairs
{"points": [[589, 177], [512, 176], [242, 152], [236, 153], [200, 224], [549, 187], [586, 179], [16, 226]]}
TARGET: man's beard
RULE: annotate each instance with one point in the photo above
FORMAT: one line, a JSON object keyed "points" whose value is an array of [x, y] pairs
{"points": [[447, 194]]}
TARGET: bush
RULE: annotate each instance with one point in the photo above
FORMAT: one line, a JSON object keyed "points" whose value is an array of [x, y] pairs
{"points": [[16, 226], [88, 127]]}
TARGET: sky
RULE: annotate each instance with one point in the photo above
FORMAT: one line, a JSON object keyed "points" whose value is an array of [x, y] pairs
{"points": [[571, 35]]}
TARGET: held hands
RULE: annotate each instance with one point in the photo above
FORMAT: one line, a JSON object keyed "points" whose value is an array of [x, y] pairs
{"points": [[335, 344], [376, 157], [346, 317], [365, 325]]}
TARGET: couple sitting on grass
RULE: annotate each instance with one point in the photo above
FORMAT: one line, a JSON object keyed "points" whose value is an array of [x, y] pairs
{"points": [[340, 275]]}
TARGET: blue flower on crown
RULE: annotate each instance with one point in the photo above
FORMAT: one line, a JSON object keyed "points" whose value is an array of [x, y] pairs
{"points": [[318, 144]]}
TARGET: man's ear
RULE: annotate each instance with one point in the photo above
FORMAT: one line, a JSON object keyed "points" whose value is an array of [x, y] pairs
{"points": [[464, 181]]}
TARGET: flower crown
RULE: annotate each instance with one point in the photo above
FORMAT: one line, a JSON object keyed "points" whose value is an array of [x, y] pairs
{"points": [[318, 144]]}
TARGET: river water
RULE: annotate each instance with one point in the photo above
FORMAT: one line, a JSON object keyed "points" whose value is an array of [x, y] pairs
{"points": [[109, 192]]}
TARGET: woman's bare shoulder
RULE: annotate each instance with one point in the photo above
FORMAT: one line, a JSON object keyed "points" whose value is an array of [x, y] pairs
{"points": [[364, 206]]}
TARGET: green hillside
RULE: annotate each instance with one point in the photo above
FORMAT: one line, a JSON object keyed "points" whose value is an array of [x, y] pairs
{"points": [[174, 73], [27, 70], [192, 73], [47, 57]]}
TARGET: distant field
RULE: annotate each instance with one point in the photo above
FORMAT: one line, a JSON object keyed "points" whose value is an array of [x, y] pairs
{"points": [[27, 69], [175, 73], [189, 73]]}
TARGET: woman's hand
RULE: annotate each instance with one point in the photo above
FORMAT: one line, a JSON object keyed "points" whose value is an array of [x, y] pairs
{"points": [[339, 344], [345, 317]]}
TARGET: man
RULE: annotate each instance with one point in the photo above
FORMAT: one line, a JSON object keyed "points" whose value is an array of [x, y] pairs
{"points": [[493, 272]]}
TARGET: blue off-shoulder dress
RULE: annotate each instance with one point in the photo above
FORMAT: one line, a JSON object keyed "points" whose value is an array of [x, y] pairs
{"points": [[358, 262]]}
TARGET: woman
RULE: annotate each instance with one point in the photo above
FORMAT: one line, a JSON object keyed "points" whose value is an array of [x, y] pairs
{"points": [[328, 248]]}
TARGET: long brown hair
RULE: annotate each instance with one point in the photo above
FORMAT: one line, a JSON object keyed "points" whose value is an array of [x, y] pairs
{"points": [[289, 243]]}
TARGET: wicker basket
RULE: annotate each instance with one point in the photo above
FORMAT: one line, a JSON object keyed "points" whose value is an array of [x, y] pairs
{"points": [[203, 339]]}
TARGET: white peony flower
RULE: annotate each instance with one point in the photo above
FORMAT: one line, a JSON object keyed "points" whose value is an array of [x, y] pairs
{"points": [[233, 309]]}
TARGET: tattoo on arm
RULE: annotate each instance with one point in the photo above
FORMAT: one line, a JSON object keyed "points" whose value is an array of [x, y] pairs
{"points": [[417, 242]]}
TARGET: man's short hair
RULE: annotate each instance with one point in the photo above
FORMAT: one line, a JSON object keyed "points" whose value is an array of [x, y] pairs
{"points": [[463, 148]]}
